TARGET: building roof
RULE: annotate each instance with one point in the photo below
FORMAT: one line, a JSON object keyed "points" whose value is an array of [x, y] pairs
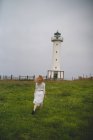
{"points": [[57, 34]]}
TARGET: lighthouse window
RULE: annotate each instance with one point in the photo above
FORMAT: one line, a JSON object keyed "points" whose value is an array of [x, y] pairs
{"points": [[56, 51], [56, 44], [55, 67], [56, 59]]}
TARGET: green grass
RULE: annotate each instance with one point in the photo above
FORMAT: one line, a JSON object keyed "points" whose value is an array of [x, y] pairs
{"points": [[67, 113]]}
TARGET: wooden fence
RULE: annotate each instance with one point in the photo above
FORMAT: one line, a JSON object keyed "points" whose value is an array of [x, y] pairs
{"points": [[11, 77]]}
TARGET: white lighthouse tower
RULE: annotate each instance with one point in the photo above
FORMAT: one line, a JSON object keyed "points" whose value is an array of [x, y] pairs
{"points": [[55, 72]]}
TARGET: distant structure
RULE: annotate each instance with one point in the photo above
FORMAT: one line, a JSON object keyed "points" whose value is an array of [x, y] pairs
{"points": [[55, 72]]}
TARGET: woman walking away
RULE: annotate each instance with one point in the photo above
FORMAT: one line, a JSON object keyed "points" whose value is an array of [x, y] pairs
{"points": [[39, 93]]}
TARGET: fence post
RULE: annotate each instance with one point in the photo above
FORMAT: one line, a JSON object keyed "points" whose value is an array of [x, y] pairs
{"points": [[33, 77], [27, 77], [11, 77], [19, 77]]}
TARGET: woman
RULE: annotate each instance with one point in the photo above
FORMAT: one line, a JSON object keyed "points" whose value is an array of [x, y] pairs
{"points": [[39, 93]]}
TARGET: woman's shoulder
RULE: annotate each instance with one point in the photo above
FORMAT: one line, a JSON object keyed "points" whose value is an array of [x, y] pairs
{"points": [[43, 83]]}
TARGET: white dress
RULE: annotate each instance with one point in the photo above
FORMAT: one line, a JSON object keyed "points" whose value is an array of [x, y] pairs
{"points": [[39, 93]]}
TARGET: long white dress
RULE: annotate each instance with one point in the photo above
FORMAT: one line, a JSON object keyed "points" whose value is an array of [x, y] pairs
{"points": [[39, 93]]}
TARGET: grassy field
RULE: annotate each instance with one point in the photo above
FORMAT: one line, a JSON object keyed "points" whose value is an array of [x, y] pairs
{"points": [[67, 113]]}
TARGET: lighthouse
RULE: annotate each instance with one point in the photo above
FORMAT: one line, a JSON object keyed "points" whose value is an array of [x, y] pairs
{"points": [[55, 72]]}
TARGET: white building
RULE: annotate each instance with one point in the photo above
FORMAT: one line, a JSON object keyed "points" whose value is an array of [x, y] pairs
{"points": [[55, 72]]}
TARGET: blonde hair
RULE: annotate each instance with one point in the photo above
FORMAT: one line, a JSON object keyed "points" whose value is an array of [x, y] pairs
{"points": [[39, 79]]}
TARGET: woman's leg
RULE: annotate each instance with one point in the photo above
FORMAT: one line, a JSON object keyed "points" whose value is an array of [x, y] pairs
{"points": [[33, 111], [35, 106]]}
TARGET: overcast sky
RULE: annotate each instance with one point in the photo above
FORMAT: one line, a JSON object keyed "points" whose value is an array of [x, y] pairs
{"points": [[26, 28]]}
